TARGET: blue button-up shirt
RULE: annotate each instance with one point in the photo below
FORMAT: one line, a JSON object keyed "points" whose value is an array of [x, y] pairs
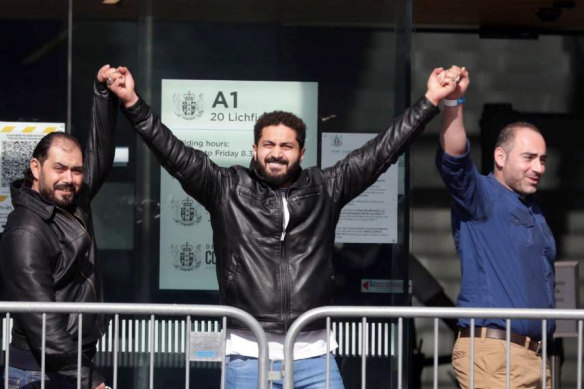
{"points": [[506, 248]]}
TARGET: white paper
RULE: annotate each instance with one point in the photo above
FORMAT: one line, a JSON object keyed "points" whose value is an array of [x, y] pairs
{"points": [[372, 216]]}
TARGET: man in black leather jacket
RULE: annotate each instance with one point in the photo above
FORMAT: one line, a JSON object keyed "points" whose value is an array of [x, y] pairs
{"points": [[274, 223], [48, 252]]}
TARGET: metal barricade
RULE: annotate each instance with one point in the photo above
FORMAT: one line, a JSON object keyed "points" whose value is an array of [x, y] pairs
{"points": [[400, 313], [152, 310]]}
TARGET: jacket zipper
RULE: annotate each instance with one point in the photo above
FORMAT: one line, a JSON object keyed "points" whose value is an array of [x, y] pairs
{"points": [[284, 268]]}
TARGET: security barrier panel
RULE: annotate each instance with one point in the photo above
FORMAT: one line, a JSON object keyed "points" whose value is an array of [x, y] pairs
{"points": [[400, 313], [210, 345]]}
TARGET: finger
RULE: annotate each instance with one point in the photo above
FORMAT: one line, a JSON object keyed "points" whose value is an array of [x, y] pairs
{"points": [[111, 71], [103, 68], [101, 73], [111, 79], [113, 76], [118, 82], [452, 74], [465, 72], [449, 85], [446, 79]]}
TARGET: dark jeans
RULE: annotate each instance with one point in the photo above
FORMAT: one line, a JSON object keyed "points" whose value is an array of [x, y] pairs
{"points": [[31, 379]]}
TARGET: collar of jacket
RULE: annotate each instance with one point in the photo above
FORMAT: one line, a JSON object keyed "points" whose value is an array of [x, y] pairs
{"points": [[22, 196]]}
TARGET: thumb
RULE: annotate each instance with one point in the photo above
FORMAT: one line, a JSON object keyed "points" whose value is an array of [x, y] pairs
{"points": [[437, 70]]}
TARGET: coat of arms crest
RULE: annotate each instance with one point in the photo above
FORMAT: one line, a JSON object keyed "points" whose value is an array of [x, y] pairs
{"points": [[188, 106]]}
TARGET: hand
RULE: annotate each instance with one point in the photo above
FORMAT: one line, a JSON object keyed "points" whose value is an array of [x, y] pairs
{"points": [[122, 85], [462, 75], [444, 83], [106, 74]]}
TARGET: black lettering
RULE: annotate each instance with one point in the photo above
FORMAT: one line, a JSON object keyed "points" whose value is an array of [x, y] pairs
{"points": [[210, 258], [234, 94], [220, 99]]}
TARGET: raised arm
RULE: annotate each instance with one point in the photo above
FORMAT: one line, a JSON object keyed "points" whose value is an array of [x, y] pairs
{"points": [[453, 158], [363, 166], [453, 134], [195, 171], [98, 156]]}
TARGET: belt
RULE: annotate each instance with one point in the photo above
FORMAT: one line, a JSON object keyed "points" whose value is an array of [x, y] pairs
{"points": [[495, 333]]}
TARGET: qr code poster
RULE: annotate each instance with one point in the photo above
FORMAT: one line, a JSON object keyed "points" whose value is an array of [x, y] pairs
{"points": [[17, 142]]}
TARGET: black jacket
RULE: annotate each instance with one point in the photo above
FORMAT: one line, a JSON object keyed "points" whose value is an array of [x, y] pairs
{"points": [[49, 254], [276, 275]]}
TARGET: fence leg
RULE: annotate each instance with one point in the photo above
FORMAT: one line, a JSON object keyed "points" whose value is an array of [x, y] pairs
{"points": [[223, 342], [7, 351], [116, 349], [79, 348], [508, 352], [400, 346], [472, 339], [436, 353], [43, 349], [328, 352]]}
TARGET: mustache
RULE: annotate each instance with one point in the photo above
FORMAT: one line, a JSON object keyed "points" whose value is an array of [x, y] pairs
{"points": [[279, 160], [65, 186]]}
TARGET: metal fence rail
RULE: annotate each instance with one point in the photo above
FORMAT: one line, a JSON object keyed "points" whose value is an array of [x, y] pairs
{"points": [[152, 310], [400, 313]]}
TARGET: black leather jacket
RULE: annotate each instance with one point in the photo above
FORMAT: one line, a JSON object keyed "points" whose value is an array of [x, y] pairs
{"points": [[276, 275], [48, 254]]}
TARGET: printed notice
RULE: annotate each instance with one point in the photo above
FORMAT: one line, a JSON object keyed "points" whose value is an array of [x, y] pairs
{"points": [[216, 117], [17, 142], [372, 216]]}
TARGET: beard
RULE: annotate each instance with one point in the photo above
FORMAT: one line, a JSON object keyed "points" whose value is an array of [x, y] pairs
{"points": [[48, 194], [277, 180]]}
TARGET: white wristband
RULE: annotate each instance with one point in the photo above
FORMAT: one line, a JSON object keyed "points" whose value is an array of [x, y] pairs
{"points": [[454, 103]]}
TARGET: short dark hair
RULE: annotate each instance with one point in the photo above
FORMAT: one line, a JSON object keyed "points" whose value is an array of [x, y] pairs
{"points": [[507, 134], [280, 117], [41, 151]]}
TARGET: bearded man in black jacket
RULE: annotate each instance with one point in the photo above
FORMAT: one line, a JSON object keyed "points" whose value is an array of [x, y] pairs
{"points": [[274, 223], [48, 252]]}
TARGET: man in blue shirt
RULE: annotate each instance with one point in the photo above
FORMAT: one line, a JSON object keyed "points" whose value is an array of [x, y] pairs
{"points": [[506, 248]]}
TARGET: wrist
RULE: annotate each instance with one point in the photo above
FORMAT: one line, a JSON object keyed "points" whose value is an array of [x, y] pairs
{"points": [[432, 98], [131, 101]]}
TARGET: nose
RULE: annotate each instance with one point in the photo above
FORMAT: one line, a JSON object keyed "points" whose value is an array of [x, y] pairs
{"points": [[538, 167], [277, 151], [68, 176]]}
